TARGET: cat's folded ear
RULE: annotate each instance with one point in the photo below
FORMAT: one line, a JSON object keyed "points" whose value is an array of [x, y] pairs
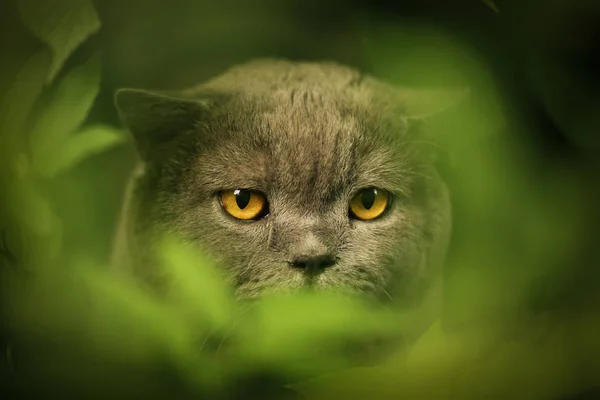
{"points": [[435, 112], [154, 119]]}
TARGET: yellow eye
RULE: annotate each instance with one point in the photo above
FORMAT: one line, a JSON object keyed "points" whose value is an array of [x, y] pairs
{"points": [[369, 204], [244, 204]]}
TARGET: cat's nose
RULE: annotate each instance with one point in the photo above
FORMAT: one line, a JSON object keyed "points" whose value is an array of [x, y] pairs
{"points": [[314, 262], [311, 254]]}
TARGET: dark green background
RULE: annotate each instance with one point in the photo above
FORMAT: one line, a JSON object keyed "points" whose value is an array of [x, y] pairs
{"points": [[544, 56]]}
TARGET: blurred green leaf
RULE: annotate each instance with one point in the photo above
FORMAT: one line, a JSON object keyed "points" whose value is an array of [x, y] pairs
{"points": [[197, 286], [572, 103], [30, 207], [128, 321], [492, 5], [89, 311], [65, 112], [62, 24], [355, 383], [90, 141], [17, 102], [310, 331], [518, 369], [429, 345], [41, 227]]}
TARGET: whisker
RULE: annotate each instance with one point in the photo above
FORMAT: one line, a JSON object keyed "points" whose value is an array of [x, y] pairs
{"points": [[387, 294], [234, 325], [210, 333], [213, 331]]}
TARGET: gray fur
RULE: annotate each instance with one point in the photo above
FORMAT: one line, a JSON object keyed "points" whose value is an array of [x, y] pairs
{"points": [[308, 135]]}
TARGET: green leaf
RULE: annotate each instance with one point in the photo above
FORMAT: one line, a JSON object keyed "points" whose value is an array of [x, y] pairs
{"points": [[355, 383], [62, 24], [492, 5], [90, 141], [128, 321], [314, 332], [17, 102], [429, 346], [198, 288], [427, 371], [30, 208], [65, 112]]}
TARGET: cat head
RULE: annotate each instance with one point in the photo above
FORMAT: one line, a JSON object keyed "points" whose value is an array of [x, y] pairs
{"points": [[292, 175]]}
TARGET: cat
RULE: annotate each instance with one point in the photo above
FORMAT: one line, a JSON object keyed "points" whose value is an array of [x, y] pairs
{"points": [[292, 175]]}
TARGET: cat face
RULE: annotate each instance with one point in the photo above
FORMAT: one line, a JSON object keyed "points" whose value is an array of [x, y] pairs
{"points": [[291, 176]]}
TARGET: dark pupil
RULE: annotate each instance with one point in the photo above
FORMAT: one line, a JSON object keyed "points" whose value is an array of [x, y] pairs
{"points": [[242, 198], [368, 198]]}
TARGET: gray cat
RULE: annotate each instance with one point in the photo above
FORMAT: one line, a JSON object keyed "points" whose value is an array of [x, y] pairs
{"points": [[292, 175]]}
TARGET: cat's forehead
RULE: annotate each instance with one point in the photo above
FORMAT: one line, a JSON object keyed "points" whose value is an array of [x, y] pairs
{"points": [[308, 142], [264, 76], [304, 129]]}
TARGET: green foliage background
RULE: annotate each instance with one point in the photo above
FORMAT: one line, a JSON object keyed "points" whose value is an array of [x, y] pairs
{"points": [[513, 326]]}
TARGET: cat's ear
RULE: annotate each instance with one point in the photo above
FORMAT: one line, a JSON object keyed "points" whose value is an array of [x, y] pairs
{"points": [[434, 111], [154, 119], [428, 103]]}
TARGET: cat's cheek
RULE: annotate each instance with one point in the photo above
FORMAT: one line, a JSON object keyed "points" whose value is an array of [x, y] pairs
{"points": [[239, 240], [391, 243]]}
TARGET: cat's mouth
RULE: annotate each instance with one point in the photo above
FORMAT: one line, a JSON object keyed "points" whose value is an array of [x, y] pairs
{"points": [[314, 277], [354, 280], [326, 281]]}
